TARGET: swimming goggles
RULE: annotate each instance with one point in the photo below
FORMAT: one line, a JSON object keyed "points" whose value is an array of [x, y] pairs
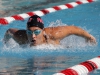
{"points": [[36, 32]]}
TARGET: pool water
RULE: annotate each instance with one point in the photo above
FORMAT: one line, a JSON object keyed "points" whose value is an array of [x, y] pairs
{"points": [[49, 59]]}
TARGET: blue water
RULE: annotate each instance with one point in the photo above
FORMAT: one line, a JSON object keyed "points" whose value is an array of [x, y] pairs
{"points": [[48, 59]]}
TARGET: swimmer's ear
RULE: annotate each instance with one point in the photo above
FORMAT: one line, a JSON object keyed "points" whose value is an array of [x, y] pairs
{"points": [[44, 33]]}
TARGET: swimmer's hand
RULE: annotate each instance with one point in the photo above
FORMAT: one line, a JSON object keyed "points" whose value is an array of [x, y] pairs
{"points": [[91, 40]]}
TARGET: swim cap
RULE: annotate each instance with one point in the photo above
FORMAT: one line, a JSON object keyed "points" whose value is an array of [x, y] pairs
{"points": [[35, 21]]}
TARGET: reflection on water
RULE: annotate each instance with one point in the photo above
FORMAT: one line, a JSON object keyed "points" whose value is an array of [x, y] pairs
{"points": [[44, 65], [35, 65], [12, 7]]}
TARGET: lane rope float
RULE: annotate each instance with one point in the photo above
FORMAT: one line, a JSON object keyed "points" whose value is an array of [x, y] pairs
{"points": [[83, 68], [7, 20]]}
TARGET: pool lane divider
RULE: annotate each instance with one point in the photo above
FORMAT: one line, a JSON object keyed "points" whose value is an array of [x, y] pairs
{"points": [[7, 20], [83, 68]]}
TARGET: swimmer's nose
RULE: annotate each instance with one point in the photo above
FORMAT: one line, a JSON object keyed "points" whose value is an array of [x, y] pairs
{"points": [[33, 36]]}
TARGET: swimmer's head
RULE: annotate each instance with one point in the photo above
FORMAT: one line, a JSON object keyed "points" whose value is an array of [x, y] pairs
{"points": [[35, 21]]}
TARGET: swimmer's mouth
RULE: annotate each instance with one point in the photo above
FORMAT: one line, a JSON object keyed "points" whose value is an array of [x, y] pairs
{"points": [[33, 42]]}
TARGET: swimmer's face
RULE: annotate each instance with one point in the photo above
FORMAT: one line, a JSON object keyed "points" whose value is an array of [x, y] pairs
{"points": [[34, 35]]}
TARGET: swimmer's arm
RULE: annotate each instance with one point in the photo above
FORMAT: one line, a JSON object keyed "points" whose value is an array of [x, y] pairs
{"points": [[63, 31], [73, 30], [19, 36], [60, 32], [9, 34]]}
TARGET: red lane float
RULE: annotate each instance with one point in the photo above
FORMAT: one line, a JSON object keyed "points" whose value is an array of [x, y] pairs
{"points": [[83, 68], [7, 20]]}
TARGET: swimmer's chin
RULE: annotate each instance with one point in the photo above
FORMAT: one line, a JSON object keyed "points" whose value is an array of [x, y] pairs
{"points": [[33, 44]]}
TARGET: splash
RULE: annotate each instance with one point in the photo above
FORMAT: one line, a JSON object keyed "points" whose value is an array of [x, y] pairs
{"points": [[49, 47], [57, 23]]}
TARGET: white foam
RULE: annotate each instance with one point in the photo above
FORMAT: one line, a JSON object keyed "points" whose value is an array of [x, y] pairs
{"points": [[48, 46], [10, 44], [56, 23]]}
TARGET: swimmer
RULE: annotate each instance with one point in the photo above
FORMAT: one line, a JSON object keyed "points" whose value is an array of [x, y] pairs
{"points": [[35, 33]]}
